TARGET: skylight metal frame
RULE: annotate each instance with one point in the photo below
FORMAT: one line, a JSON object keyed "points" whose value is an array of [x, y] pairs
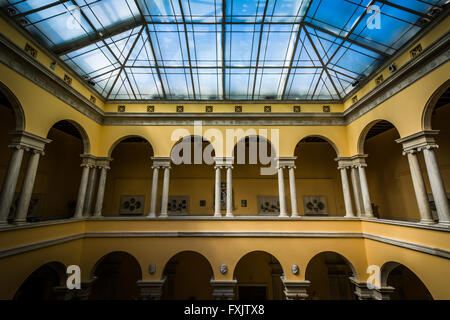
{"points": [[141, 21]]}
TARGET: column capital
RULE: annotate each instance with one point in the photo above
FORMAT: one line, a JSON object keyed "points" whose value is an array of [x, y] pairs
{"points": [[28, 141], [223, 289], [88, 160], [295, 290], [344, 162], [103, 163], [161, 162], [285, 162], [419, 141], [151, 290], [225, 162]]}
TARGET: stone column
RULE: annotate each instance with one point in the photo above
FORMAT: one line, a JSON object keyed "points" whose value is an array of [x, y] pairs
{"points": [[295, 290], [151, 290], [82, 190], [229, 191], [365, 191], [103, 167], [224, 289], [437, 185], [346, 191], [165, 193], [10, 182], [27, 187], [282, 196], [356, 190], [217, 203], [419, 187], [90, 190], [293, 190], [152, 213]]}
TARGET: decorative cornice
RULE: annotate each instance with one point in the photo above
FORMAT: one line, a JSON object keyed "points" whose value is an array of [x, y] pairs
{"points": [[419, 141], [28, 141]]}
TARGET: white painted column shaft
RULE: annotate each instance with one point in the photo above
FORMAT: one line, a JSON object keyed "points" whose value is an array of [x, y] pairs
{"points": [[437, 186], [165, 193], [82, 192], [229, 192], [152, 213], [356, 190], [365, 192], [10, 183], [419, 188], [293, 190], [217, 211], [27, 187], [347, 196], [100, 192], [281, 193]]}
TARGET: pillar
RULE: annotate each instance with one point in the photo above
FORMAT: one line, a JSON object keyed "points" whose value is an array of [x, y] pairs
{"points": [[356, 190], [437, 184], [419, 187], [229, 191], [10, 182], [365, 191], [217, 203], [282, 196], [293, 190], [82, 190], [346, 191], [165, 193], [27, 187], [152, 213], [90, 190], [101, 190]]}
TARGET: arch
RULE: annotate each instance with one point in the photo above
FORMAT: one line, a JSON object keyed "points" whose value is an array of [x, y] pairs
{"points": [[253, 252], [251, 137], [99, 262], [118, 141], [195, 139], [390, 266], [347, 261], [29, 284], [431, 103], [84, 136], [366, 130], [192, 252], [19, 114], [333, 145]]}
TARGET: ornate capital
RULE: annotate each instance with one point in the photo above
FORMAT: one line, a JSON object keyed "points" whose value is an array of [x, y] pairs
{"points": [[28, 141], [285, 162], [161, 162], [423, 140]]}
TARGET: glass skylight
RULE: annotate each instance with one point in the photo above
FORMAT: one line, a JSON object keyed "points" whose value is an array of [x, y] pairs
{"points": [[223, 49]]}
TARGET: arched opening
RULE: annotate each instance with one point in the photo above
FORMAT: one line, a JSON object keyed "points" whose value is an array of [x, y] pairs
{"points": [[191, 188], [188, 277], [117, 274], [41, 284], [57, 180], [407, 286], [388, 174], [440, 119], [258, 276], [255, 184], [329, 274], [318, 185], [128, 185]]}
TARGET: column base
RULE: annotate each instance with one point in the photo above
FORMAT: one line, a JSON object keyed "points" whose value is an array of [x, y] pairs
{"points": [[217, 215], [427, 221], [21, 221], [229, 215], [163, 215], [283, 215], [151, 216], [444, 224], [295, 214]]}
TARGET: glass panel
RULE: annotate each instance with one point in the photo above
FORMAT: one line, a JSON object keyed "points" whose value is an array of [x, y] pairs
{"points": [[205, 44], [142, 54], [122, 44], [161, 10], [245, 10], [145, 83], [104, 82], [208, 84], [169, 42], [241, 47], [202, 11], [239, 83], [277, 45], [302, 83], [122, 89], [270, 83], [177, 83]]}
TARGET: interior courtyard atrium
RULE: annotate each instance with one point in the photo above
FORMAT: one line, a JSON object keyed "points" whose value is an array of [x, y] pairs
{"points": [[224, 150]]}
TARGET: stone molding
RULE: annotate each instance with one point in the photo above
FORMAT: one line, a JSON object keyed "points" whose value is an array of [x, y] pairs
{"points": [[418, 141], [161, 162], [151, 290], [295, 290], [28, 141], [224, 289]]}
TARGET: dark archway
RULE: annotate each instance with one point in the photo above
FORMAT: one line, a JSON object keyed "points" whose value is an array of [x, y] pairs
{"points": [[188, 277], [406, 284], [40, 285], [116, 276], [329, 274], [130, 178], [258, 276], [318, 184]]}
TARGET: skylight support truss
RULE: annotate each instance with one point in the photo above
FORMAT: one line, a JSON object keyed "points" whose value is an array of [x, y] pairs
{"points": [[305, 49]]}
